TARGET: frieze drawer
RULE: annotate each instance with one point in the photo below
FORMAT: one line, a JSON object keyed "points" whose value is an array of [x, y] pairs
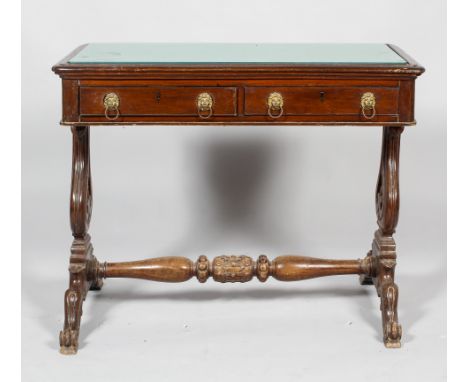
{"points": [[116, 102], [310, 100]]}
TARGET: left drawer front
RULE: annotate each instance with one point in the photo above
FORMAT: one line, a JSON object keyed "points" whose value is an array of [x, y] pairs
{"points": [[158, 101]]}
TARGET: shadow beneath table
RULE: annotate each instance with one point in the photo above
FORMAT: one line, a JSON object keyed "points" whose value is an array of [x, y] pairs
{"points": [[229, 183]]}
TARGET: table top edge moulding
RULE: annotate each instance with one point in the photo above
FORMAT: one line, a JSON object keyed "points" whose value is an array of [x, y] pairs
{"points": [[407, 66], [236, 84], [68, 69]]}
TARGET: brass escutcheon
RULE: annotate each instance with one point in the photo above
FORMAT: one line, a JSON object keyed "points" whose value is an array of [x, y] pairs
{"points": [[275, 103], [205, 104], [368, 103], [111, 103]]}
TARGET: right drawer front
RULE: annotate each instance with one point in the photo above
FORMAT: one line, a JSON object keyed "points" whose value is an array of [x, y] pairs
{"points": [[311, 100]]}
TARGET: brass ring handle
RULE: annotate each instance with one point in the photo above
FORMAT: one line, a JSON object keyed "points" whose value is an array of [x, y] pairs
{"points": [[111, 103], [275, 115], [275, 103], [113, 118], [205, 104], [364, 113], [368, 103], [210, 113]]}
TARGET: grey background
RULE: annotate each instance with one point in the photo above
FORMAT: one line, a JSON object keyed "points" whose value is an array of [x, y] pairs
{"points": [[244, 190]]}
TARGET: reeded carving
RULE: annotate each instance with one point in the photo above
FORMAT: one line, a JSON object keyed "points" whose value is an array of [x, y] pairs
{"points": [[202, 270], [387, 201], [263, 268], [233, 269], [81, 198]]}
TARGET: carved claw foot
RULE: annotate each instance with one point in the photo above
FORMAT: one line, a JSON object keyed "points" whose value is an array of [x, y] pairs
{"points": [[391, 328], [69, 341]]}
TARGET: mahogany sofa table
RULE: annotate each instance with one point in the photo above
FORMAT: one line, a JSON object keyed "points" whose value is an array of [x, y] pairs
{"points": [[236, 84]]}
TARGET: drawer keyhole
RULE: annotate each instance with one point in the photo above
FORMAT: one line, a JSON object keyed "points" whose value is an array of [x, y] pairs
{"points": [[158, 97], [322, 96]]}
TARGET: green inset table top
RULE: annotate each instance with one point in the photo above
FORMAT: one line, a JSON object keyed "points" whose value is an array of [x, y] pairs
{"points": [[239, 53]]}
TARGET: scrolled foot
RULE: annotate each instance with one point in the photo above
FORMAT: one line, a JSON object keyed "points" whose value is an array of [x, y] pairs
{"points": [[69, 341], [392, 331], [392, 335], [71, 328]]}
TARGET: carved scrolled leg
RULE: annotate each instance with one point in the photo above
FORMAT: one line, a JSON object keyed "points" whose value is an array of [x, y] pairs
{"points": [[383, 254], [84, 267], [385, 250], [391, 328], [73, 310], [70, 332], [75, 295]]}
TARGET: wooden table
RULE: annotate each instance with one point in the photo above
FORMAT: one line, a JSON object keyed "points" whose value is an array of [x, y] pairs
{"points": [[234, 84]]}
